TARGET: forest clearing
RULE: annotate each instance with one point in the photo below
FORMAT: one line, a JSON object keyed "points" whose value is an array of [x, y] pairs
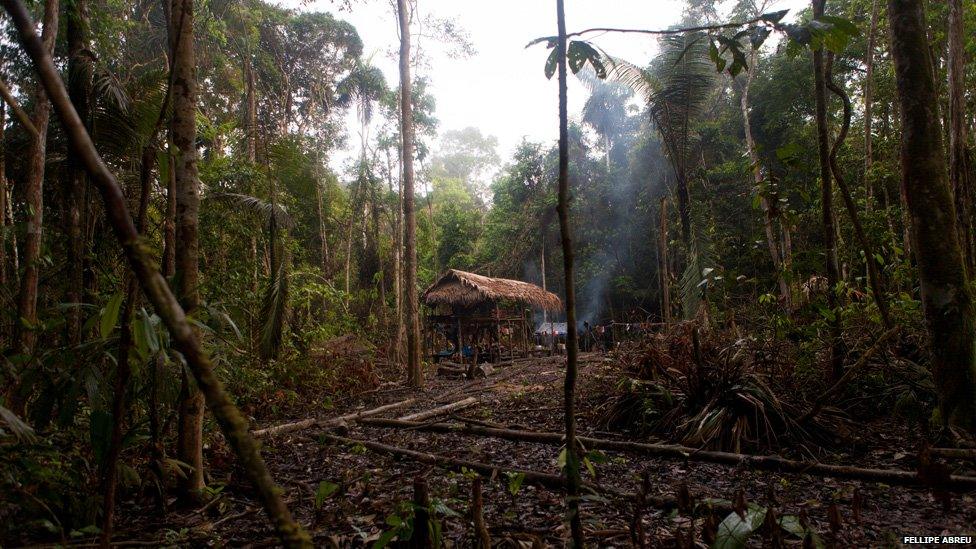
{"points": [[696, 273]]}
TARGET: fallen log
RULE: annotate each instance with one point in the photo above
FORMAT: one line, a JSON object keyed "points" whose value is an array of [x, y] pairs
{"points": [[967, 454], [330, 422], [956, 483], [538, 478], [441, 410]]}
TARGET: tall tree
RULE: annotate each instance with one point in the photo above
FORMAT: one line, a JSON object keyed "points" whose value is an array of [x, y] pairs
{"points": [[869, 105], [415, 374], [34, 195], [946, 297], [79, 87], [183, 129], [573, 480], [959, 173], [764, 196], [826, 196]]}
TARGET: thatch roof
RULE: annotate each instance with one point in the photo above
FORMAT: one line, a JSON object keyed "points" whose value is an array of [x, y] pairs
{"points": [[461, 288]]}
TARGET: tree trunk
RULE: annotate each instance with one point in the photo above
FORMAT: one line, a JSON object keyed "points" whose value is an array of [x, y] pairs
{"points": [[231, 422], [946, 298], [959, 175], [664, 277], [123, 369], [869, 106], [79, 88], [573, 479], [3, 208], [830, 243], [184, 131], [870, 259], [415, 374], [768, 213], [34, 196]]}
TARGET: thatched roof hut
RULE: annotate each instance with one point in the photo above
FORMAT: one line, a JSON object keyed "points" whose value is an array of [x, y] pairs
{"points": [[464, 289]]}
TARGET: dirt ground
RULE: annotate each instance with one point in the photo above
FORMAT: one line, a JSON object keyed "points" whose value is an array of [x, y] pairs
{"points": [[345, 494]]}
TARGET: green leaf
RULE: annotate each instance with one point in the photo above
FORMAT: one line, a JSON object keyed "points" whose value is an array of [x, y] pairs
{"points": [[515, 481], [385, 539], [774, 16], [759, 36], [551, 64], [110, 315], [324, 491], [734, 531]]}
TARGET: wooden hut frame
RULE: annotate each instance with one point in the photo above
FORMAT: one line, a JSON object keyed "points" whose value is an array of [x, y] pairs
{"points": [[479, 307]]}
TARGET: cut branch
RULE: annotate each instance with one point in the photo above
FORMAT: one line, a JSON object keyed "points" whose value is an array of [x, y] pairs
{"points": [[341, 420], [441, 410]]}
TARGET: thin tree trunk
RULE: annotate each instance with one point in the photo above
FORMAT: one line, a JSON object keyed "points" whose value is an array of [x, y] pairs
{"points": [[79, 88], [869, 107], [415, 374], [872, 263], [231, 422], [768, 221], [959, 176], [184, 131], [573, 479], [323, 235], [3, 208], [123, 369], [830, 243], [34, 196], [252, 152], [946, 297], [664, 277]]}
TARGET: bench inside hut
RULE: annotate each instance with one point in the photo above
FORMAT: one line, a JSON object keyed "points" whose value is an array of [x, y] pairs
{"points": [[474, 319]]}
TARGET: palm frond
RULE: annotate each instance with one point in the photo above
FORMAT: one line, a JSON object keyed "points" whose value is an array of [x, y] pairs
{"points": [[21, 430], [257, 206], [274, 311]]}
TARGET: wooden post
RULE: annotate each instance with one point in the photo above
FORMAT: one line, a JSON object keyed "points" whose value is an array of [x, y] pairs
{"points": [[421, 518], [478, 515]]}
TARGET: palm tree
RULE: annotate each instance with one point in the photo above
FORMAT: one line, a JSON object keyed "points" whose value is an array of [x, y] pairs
{"points": [[605, 109], [677, 88]]}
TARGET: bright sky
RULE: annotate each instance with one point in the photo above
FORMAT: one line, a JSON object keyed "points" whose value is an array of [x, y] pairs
{"points": [[502, 89]]}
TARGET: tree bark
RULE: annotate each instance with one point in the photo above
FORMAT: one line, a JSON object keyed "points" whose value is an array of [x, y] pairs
{"points": [[869, 106], [231, 422], [79, 89], [664, 277], [946, 298], [3, 208], [478, 515], [872, 263], [189, 448], [959, 174], [415, 374], [826, 195], [34, 197], [572, 471]]}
